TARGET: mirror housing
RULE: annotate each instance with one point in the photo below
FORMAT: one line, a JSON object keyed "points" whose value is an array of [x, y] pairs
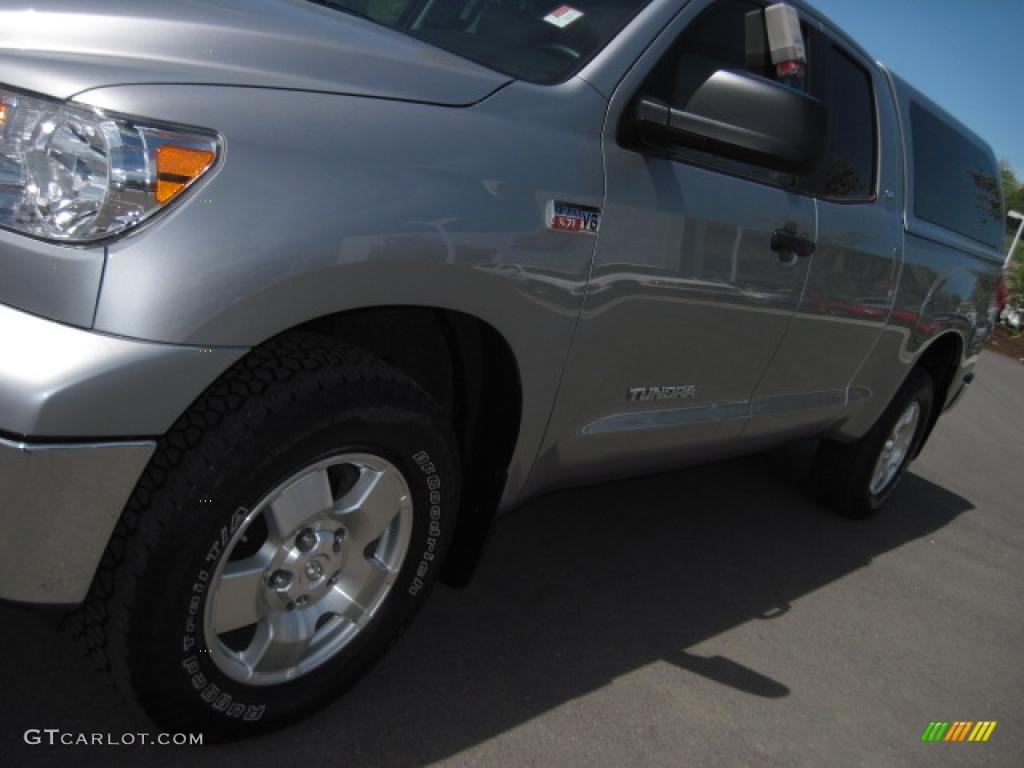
{"points": [[743, 117]]}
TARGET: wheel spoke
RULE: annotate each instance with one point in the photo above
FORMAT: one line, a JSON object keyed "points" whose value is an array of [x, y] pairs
{"points": [[876, 479], [362, 580], [237, 599], [338, 603], [370, 507], [909, 417], [308, 496], [281, 641]]}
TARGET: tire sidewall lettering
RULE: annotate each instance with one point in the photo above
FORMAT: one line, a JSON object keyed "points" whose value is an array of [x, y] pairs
{"points": [[428, 555]]}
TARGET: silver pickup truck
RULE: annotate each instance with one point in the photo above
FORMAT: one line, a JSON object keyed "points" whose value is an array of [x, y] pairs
{"points": [[295, 297]]}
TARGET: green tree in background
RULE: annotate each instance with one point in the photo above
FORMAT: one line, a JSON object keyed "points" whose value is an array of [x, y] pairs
{"points": [[1013, 191]]}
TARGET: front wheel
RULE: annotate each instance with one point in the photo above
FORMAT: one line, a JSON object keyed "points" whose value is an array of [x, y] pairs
{"points": [[285, 532], [856, 479]]}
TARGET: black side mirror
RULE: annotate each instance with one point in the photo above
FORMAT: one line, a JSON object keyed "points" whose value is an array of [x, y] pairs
{"points": [[743, 117]]}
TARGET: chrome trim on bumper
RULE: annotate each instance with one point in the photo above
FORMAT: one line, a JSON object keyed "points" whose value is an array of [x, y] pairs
{"points": [[59, 504]]}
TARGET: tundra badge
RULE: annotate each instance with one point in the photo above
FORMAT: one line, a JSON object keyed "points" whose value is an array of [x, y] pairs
{"points": [[643, 394]]}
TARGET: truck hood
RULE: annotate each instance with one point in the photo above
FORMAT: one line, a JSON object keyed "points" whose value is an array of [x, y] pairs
{"points": [[63, 47]]}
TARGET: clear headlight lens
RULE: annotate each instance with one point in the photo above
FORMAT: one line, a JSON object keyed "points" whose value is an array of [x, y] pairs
{"points": [[76, 175]]}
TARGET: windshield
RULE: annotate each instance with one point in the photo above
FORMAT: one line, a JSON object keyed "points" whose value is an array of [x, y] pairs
{"points": [[543, 42]]}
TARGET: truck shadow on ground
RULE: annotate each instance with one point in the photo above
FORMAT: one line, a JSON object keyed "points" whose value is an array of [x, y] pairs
{"points": [[577, 589]]}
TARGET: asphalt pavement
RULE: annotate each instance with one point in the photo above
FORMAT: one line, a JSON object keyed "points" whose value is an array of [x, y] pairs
{"points": [[714, 616]]}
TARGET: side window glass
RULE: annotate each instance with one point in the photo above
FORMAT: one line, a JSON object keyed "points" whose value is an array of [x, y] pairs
{"points": [[956, 182], [848, 168], [728, 35]]}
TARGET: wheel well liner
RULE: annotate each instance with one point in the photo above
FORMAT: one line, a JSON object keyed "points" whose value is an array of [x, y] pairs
{"points": [[471, 371], [942, 359]]}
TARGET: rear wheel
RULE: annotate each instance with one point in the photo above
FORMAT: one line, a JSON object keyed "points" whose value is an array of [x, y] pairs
{"points": [[856, 479], [287, 529]]}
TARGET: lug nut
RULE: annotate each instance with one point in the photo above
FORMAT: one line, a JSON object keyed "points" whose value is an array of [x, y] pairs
{"points": [[300, 601], [339, 539], [280, 580], [306, 540], [314, 570]]}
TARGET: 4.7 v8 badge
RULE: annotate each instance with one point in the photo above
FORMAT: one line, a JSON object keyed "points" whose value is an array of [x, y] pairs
{"points": [[569, 217]]}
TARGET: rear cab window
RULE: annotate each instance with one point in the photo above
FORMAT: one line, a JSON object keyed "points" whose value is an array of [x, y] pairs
{"points": [[543, 42], [956, 182]]}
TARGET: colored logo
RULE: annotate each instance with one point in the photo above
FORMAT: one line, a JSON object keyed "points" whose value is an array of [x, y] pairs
{"points": [[959, 730], [569, 217]]}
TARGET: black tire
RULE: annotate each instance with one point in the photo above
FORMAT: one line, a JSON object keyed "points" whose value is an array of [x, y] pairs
{"points": [[842, 474], [286, 404]]}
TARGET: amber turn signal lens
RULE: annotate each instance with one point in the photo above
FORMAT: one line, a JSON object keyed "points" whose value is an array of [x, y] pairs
{"points": [[176, 167]]}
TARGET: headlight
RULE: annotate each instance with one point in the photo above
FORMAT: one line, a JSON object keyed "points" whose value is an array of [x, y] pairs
{"points": [[73, 174]]}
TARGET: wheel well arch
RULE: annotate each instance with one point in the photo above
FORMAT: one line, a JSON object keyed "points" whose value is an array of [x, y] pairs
{"points": [[942, 359], [470, 369]]}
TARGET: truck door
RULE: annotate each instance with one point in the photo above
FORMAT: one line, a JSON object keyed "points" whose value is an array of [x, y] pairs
{"points": [[687, 302], [855, 267]]}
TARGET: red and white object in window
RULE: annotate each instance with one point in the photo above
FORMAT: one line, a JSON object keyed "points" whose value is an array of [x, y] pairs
{"points": [[563, 16], [786, 41]]}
